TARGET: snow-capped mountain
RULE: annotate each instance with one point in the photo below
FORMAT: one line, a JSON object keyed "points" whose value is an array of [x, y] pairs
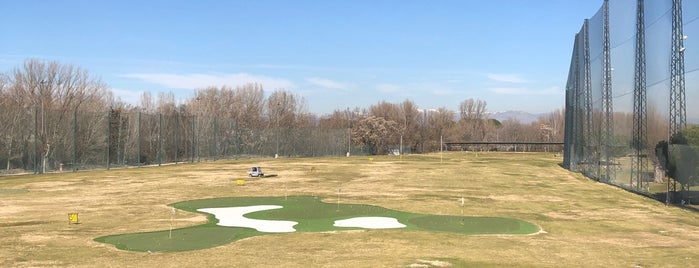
{"points": [[522, 117]]}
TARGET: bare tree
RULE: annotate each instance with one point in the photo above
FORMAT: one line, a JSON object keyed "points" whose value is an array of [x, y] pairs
{"points": [[437, 125], [473, 119], [386, 110], [472, 109], [554, 123], [55, 91], [411, 124], [282, 109], [338, 119], [248, 102], [286, 111], [11, 120]]}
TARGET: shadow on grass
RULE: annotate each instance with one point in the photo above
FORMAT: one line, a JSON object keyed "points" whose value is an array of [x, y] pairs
{"points": [[691, 199], [311, 214]]}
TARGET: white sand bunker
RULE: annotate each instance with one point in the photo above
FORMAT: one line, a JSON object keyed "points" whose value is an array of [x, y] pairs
{"points": [[370, 223], [234, 217]]}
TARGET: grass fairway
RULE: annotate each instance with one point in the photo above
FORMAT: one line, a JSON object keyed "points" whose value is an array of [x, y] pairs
{"points": [[311, 214], [584, 223]]}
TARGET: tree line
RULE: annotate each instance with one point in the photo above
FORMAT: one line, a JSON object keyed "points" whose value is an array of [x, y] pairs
{"points": [[53, 111]]}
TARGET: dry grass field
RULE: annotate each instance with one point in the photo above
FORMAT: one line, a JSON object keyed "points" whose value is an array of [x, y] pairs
{"points": [[584, 223]]}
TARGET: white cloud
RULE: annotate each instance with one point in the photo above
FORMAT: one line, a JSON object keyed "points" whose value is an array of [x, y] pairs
{"points": [[525, 91], [507, 78], [326, 83], [387, 88], [196, 81], [127, 96]]}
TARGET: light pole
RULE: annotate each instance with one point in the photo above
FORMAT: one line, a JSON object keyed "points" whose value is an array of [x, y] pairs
{"points": [[44, 150], [349, 132], [276, 154]]}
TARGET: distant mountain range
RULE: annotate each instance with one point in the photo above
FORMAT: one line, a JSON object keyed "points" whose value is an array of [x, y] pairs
{"points": [[522, 117]]}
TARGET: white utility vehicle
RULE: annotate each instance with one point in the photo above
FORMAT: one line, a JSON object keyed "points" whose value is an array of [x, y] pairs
{"points": [[256, 172]]}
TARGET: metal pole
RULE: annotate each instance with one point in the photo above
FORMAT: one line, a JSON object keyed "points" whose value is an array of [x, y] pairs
{"points": [[349, 132], [213, 145], [235, 138], [177, 136], [43, 136], [276, 154], [138, 150], [109, 134], [160, 139], [193, 140], [349, 141], [36, 138], [75, 139]]}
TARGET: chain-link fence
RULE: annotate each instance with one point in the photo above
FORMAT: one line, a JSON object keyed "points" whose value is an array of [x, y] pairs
{"points": [[41, 141], [633, 80]]}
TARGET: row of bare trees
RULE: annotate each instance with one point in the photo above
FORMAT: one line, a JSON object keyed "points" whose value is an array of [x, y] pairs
{"points": [[37, 100], [384, 127], [54, 114]]}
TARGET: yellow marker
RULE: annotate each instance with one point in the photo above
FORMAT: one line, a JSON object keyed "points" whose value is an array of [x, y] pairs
{"points": [[371, 159], [73, 218], [241, 182]]}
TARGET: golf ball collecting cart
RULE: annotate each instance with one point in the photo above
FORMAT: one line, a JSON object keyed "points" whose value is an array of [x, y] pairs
{"points": [[256, 172]]}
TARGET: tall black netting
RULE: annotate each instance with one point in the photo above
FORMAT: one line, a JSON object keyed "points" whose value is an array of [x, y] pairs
{"points": [[622, 32], [596, 66], [691, 59], [631, 93]]}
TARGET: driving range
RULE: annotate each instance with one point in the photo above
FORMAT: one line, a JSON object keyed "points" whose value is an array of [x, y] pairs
{"points": [[453, 209]]}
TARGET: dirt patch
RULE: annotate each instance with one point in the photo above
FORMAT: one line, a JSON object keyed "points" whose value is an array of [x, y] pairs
{"points": [[22, 223], [33, 238], [6, 209], [430, 263], [13, 191], [526, 198]]}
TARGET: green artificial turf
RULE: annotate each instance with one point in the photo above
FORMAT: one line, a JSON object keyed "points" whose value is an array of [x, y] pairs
{"points": [[311, 214]]}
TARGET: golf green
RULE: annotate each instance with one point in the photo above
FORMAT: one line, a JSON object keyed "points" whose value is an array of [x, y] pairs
{"points": [[310, 215]]}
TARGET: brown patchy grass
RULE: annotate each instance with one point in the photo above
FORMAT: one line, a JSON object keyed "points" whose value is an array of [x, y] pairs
{"points": [[585, 223]]}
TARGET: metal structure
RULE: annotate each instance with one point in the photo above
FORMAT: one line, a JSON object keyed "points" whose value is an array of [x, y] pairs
{"points": [[607, 165], [586, 90], [639, 159], [572, 131], [626, 97], [678, 107]]}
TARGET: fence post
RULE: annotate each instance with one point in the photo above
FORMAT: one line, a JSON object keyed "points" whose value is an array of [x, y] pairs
{"points": [[138, 139], [213, 144], [74, 165], [36, 139], [194, 138], [177, 136], [235, 138], [160, 139], [109, 136]]}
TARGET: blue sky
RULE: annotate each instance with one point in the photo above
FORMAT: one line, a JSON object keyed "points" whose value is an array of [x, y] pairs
{"points": [[514, 54]]}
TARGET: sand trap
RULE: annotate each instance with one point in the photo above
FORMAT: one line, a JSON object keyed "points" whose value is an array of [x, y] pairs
{"points": [[370, 223], [234, 217]]}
